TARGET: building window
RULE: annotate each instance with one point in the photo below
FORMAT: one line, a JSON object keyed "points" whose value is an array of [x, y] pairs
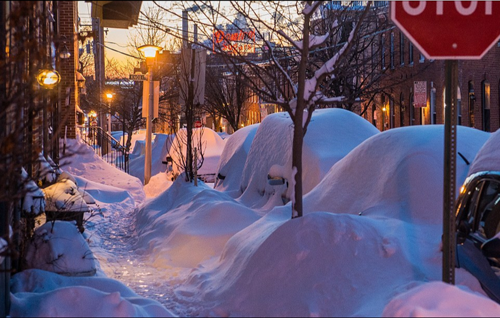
{"points": [[472, 101], [392, 50], [433, 106], [412, 110], [401, 110], [384, 109], [422, 58], [382, 51], [410, 53], [374, 115], [402, 48], [391, 111], [485, 104]]}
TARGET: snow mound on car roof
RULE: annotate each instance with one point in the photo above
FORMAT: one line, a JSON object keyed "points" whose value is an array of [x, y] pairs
{"points": [[488, 157], [331, 134], [233, 157], [397, 173]]}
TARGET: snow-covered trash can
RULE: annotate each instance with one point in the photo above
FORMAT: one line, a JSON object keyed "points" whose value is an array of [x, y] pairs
{"points": [[59, 247], [65, 202]]}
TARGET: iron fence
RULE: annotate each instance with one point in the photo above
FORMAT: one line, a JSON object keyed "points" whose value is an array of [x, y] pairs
{"points": [[106, 146]]}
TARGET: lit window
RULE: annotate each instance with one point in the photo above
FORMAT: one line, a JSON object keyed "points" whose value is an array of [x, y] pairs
{"points": [[485, 104]]}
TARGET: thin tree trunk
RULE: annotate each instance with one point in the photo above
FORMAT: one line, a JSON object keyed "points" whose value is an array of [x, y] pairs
{"points": [[298, 129]]}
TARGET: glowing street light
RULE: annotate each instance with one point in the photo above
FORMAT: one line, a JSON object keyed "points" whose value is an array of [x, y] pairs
{"points": [[149, 52], [48, 78]]}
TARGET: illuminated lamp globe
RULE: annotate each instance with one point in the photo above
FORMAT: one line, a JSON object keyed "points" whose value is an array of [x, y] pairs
{"points": [[149, 50], [48, 78], [109, 95]]}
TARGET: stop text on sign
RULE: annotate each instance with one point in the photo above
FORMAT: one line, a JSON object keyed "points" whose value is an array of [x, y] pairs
{"points": [[460, 7], [449, 29]]}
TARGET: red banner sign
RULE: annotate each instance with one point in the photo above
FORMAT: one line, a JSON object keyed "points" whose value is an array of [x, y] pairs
{"points": [[237, 42]]}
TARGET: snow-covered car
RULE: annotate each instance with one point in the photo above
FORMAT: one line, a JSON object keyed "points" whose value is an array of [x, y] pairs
{"points": [[478, 219], [478, 226]]}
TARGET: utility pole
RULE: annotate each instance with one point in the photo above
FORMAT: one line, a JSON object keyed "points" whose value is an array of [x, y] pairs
{"points": [[99, 67]]}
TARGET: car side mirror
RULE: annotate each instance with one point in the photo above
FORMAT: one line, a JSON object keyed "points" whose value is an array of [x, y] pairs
{"points": [[463, 231], [274, 180], [491, 248]]}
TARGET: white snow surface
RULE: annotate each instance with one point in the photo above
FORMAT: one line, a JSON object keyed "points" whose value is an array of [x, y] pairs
{"points": [[397, 173], [211, 144], [159, 151], [488, 157], [60, 248], [233, 158], [200, 252], [331, 135]]}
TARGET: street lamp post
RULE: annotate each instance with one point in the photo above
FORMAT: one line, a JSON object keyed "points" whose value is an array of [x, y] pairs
{"points": [[110, 97], [149, 52]]}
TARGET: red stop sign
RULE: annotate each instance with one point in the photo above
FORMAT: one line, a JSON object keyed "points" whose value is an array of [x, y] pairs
{"points": [[449, 29]]}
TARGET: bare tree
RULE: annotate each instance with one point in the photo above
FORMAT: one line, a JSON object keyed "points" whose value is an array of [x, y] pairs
{"points": [[270, 79], [226, 94]]}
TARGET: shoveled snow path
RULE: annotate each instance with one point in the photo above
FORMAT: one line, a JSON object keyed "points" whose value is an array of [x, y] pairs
{"points": [[111, 238]]}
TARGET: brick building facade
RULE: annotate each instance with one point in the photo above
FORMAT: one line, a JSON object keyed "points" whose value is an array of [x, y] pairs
{"points": [[478, 91], [68, 88]]}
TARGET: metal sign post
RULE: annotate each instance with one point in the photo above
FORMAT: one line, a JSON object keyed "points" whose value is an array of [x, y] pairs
{"points": [[450, 150]]}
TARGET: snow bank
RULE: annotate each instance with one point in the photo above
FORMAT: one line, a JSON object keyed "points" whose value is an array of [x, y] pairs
{"points": [[211, 143], [331, 135], [437, 299], [397, 173], [138, 139], [59, 247], [186, 225], [157, 184], [233, 157], [488, 158], [322, 264], [159, 151], [85, 163], [37, 293]]}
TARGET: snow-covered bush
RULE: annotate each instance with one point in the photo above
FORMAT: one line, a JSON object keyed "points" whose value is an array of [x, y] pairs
{"points": [[59, 247]]}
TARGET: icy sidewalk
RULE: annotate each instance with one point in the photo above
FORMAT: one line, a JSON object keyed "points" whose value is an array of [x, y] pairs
{"points": [[111, 239]]}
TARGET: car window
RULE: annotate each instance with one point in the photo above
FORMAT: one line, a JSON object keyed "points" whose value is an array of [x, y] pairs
{"points": [[488, 209], [470, 208]]}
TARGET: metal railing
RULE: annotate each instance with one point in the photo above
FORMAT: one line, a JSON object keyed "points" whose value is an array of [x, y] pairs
{"points": [[105, 146]]}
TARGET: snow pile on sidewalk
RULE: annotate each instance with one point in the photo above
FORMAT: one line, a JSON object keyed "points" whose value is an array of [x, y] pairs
{"points": [[37, 293], [437, 299], [84, 162], [59, 247], [186, 225], [322, 264]]}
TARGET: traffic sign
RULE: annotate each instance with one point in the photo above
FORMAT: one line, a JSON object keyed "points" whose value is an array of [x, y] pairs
{"points": [[419, 93], [137, 77], [449, 29]]}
